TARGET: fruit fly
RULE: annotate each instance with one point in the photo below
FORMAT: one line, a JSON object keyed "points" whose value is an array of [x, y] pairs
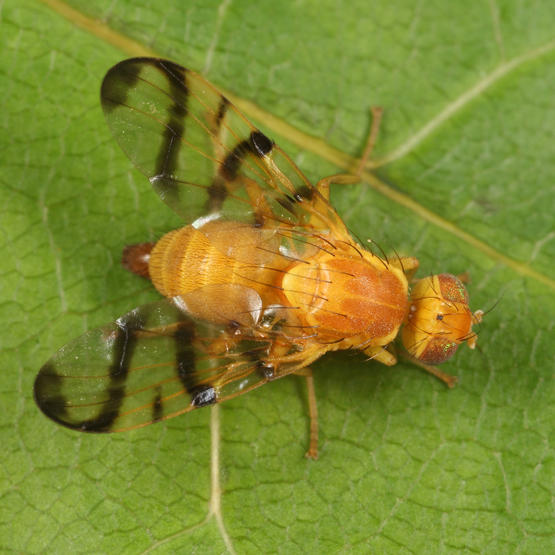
{"points": [[262, 281]]}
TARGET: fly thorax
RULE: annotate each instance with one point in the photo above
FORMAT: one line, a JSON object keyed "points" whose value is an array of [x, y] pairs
{"points": [[345, 297]]}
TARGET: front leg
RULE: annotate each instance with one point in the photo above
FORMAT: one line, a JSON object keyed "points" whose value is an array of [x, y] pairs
{"points": [[389, 359]]}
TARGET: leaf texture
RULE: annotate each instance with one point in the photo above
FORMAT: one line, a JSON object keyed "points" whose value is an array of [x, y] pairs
{"points": [[464, 181]]}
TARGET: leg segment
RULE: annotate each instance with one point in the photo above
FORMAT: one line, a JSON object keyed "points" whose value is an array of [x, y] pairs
{"points": [[312, 452], [447, 379], [323, 185], [381, 355], [389, 359], [377, 112]]}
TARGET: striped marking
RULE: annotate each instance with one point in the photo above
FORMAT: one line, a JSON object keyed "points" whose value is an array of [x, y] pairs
{"points": [[185, 355], [157, 409], [49, 384], [257, 144], [217, 193], [124, 347], [204, 396], [117, 83], [166, 162], [222, 110], [261, 145], [46, 391]]}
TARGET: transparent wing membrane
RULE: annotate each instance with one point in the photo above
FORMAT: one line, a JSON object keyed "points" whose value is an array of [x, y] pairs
{"points": [[207, 162], [199, 152], [154, 363]]}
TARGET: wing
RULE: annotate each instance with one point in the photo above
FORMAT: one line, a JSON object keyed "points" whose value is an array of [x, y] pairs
{"points": [[201, 154], [154, 363]]}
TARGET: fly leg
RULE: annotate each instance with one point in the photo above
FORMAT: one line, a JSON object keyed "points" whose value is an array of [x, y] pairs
{"points": [[389, 359], [312, 452], [449, 380], [323, 185]]}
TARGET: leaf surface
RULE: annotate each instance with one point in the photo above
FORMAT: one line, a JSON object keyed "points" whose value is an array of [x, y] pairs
{"points": [[464, 181]]}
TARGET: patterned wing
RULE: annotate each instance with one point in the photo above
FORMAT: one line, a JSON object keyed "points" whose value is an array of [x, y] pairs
{"points": [[201, 154], [153, 363]]}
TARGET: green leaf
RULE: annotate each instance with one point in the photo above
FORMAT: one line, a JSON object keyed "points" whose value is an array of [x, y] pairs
{"points": [[464, 182]]}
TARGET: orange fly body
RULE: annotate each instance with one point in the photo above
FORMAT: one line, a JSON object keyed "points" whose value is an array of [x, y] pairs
{"points": [[263, 280]]}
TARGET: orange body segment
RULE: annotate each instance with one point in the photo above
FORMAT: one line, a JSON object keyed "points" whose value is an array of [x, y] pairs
{"points": [[223, 270], [349, 297], [220, 252]]}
